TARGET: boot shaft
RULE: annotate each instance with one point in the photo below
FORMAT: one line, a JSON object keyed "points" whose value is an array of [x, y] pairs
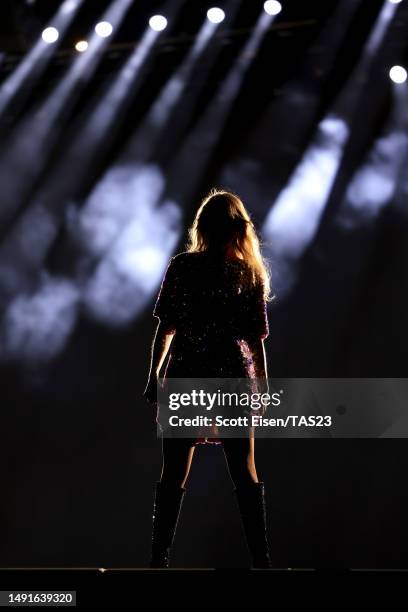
{"points": [[166, 511], [252, 508]]}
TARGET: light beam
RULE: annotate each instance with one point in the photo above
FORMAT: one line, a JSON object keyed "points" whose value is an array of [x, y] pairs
{"points": [[292, 223], [29, 149], [35, 62]]}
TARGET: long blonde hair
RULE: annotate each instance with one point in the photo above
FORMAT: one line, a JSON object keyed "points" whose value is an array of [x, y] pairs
{"points": [[222, 222]]}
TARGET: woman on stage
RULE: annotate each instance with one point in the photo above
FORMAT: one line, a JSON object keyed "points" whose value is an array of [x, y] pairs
{"points": [[212, 324]]}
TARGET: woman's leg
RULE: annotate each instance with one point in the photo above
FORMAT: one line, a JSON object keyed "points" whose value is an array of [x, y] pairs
{"points": [[249, 491], [177, 458], [240, 456]]}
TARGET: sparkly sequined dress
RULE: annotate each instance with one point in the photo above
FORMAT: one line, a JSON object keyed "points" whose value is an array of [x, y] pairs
{"points": [[215, 312]]}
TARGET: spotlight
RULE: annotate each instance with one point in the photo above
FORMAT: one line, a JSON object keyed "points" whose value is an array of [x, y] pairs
{"points": [[50, 35], [398, 74], [81, 46], [104, 29], [272, 7], [215, 15], [395, 1], [158, 23]]}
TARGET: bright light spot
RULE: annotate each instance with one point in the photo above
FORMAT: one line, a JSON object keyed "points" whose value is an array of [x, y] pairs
{"points": [[158, 23], [69, 6], [81, 46], [272, 7], [131, 237], [50, 35], [215, 15], [395, 1], [398, 74], [104, 29], [37, 326]]}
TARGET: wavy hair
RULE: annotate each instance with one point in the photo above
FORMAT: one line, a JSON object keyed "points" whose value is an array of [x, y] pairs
{"points": [[222, 222]]}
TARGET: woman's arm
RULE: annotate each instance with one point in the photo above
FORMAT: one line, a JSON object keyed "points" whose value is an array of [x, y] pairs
{"points": [[160, 347], [257, 349]]}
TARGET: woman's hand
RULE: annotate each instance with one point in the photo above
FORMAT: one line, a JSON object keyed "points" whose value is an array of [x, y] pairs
{"points": [[150, 392], [160, 347]]}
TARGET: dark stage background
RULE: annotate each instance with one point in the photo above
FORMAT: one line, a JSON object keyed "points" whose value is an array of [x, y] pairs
{"points": [[298, 115]]}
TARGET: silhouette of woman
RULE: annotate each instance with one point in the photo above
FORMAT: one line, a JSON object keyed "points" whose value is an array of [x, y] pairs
{"points": [[212, 324]]}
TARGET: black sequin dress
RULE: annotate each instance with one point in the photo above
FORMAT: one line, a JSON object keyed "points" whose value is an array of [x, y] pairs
{"points": [[215, 312]]}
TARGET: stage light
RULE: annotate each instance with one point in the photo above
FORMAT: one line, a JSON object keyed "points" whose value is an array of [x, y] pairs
{"points": [[398, 74], [36, 136], [104, 29], [20, 82], [395, 1], [50, 35], [158, 23], [272, 7], [215, 15], [81, 46], [295, 216]]}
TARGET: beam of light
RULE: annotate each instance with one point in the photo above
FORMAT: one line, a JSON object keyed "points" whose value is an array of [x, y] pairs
{"points": [[173, 109], [36, 326], [125, 279], [350, 237], [398, 74], [288, 119], [27, 153], [158, 23], [45, 213], [35, 62], [196, 150], [292, 223], [374, 184], [150, 133]]}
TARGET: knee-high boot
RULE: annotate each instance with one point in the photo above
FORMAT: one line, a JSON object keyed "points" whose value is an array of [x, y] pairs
{"points": [[167, 505], [251, 503]]}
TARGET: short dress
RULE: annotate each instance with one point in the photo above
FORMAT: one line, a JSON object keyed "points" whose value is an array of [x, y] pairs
{"points": [[215, 311]]}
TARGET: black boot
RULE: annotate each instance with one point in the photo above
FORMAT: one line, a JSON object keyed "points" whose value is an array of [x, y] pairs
{"points": [[166, 511], [251, 502]]}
